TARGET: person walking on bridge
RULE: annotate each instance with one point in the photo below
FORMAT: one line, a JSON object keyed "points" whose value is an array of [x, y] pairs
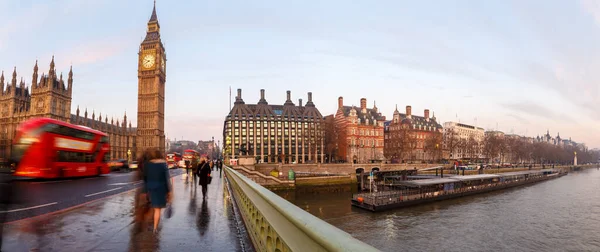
{"points": [[158, 183], [220, 167], [203, 172]]}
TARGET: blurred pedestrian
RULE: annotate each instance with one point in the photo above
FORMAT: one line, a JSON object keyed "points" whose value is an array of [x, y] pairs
{"points": [[204, 176], [187, 167], [212, 165], [158, 184], [220, 167], [142, 201], [195, 162]]}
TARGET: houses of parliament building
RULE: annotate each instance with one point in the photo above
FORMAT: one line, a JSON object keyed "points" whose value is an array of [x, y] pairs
{"points": [[49, 95]]}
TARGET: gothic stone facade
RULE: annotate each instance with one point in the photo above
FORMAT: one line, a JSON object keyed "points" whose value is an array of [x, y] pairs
{"points": [[151, 89], [49, 96], [274, 133]]}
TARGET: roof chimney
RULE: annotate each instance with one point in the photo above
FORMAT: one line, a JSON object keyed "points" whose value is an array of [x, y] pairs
{"points": [[300, 102], [262, 94], [408, 111], [363, 103], [238, 98], [289, 95], [426, 114], [309, 103], [340, 102]]}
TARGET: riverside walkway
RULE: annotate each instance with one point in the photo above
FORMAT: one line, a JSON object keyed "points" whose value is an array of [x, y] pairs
{"points": [[108, 225]]}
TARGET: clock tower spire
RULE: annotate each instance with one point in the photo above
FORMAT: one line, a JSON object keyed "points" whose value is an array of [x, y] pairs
{"points": [[151, 89]]}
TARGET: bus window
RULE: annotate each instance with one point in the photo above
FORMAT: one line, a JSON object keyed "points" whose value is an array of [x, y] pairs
{"points": [[66, 131], [74, 157]]}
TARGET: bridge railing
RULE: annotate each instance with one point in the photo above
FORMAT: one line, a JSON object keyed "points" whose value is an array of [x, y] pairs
{"points": [[274, 224]]}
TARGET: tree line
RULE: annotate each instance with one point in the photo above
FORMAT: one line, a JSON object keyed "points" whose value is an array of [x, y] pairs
{"points": [[493, 148]]}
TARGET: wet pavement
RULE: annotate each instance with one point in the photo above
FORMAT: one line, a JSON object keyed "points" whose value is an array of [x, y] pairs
{"points": [[33, 197], [108, 225]]}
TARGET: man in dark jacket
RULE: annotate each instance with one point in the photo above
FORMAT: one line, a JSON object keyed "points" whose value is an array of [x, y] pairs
{"points": [[204, 176]]}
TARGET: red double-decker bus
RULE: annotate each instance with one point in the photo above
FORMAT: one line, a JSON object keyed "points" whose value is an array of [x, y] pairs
{"points": [[48, 148], [173, 159], [189, 155]]}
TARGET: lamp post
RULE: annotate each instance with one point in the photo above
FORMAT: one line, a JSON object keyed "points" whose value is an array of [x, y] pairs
{"points": [[129, 155], [436, 155], [373, 152]]}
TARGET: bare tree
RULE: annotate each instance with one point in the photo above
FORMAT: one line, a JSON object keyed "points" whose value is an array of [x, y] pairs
{"points": [[490, 147], [452, 142], [331, 138], [433, 146], [402, 142]]}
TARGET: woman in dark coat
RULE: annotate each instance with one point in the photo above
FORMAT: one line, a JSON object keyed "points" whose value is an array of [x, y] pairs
{"points": [[158, 184], [204, 171]]}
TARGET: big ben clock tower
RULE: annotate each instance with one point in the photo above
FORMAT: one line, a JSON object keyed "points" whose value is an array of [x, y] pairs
{"points": [[151, 89]]}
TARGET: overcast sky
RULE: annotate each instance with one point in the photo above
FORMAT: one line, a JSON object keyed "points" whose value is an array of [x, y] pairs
{"points": [[521, 66]]}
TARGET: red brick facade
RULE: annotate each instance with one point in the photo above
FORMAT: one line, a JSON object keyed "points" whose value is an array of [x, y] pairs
{"points": [[363, 128]]}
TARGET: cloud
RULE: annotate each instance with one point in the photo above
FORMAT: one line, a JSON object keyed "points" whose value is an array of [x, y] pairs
{"points": [[13, 24], [519, 118], [94, 50], [533, 109], [593, 8]]}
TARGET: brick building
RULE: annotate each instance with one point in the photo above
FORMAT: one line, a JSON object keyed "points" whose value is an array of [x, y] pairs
{"points": [[363, 128], [411, 137]]}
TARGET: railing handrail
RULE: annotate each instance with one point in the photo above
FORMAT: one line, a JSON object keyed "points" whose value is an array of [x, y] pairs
{"points": [[252, 172], [323, 233]]}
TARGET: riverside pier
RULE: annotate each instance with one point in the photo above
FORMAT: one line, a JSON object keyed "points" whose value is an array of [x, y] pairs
{"points": [[403, 193]]}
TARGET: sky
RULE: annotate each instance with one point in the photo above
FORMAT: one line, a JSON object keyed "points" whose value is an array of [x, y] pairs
{"points": [[522, 67]]}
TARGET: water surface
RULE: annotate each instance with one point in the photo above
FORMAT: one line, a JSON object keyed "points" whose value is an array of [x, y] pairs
{"points": [[557, 215]]}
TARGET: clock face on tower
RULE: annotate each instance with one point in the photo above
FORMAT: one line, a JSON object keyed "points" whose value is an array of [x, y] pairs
{"points": [[148, 61]]}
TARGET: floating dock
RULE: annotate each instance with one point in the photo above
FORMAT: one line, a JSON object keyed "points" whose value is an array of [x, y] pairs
{"points": [[415, 192]]}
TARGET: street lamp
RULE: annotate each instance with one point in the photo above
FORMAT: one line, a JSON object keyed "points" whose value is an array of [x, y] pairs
{"points": [[436, 155]]}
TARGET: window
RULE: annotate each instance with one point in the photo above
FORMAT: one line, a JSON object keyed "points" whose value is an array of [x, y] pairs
{"points": [[66, 131], [75, 157]]}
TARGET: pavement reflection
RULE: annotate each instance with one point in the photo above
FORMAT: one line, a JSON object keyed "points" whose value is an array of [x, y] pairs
{"points": [[120, 223], [203, 219]]}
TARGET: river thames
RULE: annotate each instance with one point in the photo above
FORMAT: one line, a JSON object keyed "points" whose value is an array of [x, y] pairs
{"points": [[557, 215]]}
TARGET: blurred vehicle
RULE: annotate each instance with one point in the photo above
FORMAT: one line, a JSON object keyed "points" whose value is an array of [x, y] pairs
{"points": [[189, 155], [48, 148], [118, 164], [133, 165], [173, 159]]}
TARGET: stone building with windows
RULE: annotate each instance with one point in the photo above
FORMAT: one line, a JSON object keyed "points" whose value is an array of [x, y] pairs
{"points": [[274, 133], [455, 133], [412, 137], [50, 96], [363, 128]]}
